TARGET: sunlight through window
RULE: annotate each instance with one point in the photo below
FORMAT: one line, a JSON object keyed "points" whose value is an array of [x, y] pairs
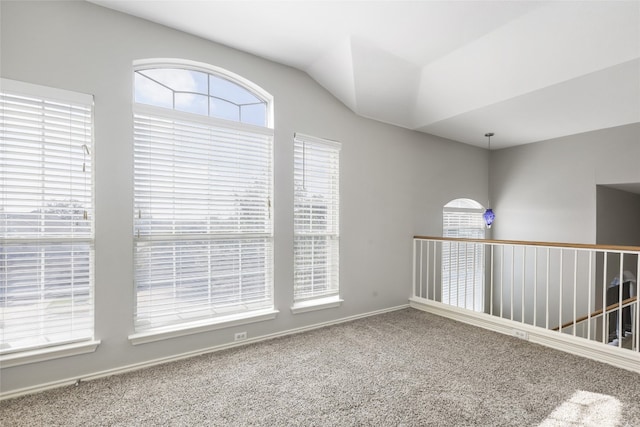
{"points": [[586, 409]]}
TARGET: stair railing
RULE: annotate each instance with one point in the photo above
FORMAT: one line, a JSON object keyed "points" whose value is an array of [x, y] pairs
{"points": [[565, 289]]}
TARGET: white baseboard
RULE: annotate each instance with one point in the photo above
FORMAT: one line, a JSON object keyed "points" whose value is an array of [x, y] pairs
{"points": [[149, 363], [620, 358]]}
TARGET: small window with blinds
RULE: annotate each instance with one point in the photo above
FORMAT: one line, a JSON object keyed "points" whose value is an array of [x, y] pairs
{"points": [[463, 262], [46, 217], [202, 197], [316, 218]]}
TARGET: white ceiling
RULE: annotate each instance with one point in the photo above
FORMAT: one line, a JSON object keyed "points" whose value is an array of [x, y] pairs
{"points": [[526, 70]]}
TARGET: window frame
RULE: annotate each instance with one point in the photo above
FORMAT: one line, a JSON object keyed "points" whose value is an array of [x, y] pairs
{"points": [[221, 320], [61, 100], [145, 64], [330, 298], [473, 212]]}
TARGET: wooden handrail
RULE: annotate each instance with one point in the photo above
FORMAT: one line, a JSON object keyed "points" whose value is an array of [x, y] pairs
{"points": [[527, 243], [597, 313]]}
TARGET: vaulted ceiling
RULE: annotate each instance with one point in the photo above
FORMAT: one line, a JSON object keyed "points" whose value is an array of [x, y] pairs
{"points": [[526, 70]]}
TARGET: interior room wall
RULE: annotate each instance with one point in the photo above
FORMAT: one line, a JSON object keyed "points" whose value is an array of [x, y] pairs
{"points": [[617, 217], [546, 191], [394, 182]]}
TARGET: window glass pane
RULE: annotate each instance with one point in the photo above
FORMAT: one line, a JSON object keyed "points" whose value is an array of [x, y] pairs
{"points": [[149, 92], [45, 297], [224, 110], [199, 93], [316, 261], [222, 88], [180, 80], [254, 114], [196, 104], [181, 281], [463, 203]]}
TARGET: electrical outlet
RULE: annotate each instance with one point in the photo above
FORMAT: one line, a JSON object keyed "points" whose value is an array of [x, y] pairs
{"points": [[239, 336], [520, 334]]}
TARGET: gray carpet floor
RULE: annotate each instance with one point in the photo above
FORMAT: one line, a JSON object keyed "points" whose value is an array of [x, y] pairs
{"points": [[404, 368]]}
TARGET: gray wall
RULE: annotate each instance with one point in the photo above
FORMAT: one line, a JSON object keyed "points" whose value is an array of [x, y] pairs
{"points": [[547, 191], [618, 223], [617, 217], [394, 182]]}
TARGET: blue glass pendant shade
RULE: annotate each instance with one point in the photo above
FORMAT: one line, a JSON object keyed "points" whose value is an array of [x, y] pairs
{"points": [[489, 217]]}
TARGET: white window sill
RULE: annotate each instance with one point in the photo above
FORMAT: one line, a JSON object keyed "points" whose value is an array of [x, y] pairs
{"points": [[316, 304], [202, 326], [48, 353]]}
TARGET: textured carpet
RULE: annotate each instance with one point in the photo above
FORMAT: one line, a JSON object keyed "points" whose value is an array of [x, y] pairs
{"points": [[405, 368]]}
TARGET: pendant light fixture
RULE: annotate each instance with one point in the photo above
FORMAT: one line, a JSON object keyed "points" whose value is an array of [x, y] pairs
{"points": [[488, 215]]}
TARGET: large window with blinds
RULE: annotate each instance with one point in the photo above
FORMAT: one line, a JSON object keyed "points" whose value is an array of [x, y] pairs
{"points": [[316, 218], [203, 196], [46, 217], [463, 262]]}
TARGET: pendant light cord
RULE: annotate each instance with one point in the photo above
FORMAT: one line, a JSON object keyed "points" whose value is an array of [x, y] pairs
{"points": [[489, 135]]}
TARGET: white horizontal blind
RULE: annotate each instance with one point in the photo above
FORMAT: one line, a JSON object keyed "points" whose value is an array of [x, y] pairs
{"points": [[46, 217], [463, 263], [316, 217], [203, 229]]}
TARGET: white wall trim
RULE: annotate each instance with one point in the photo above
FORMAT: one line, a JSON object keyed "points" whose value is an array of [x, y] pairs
{"points": [[205, 326], [47, 353], [154, 362], [600, 352], [317, 304]]}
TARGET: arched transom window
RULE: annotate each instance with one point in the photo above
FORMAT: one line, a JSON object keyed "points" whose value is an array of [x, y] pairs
{"points": [[199, 92]]}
